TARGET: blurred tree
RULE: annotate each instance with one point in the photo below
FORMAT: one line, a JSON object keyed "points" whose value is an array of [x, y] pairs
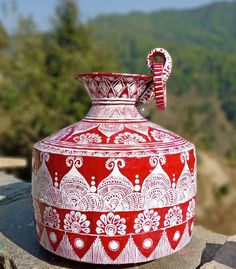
{"points": [[39, 94], [4, 39]]}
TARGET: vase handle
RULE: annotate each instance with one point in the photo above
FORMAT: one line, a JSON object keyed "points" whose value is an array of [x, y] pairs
{"points": [[161, 72]]}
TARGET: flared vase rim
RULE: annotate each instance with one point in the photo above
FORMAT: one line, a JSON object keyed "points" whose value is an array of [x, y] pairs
{"points": [[115, 75]]}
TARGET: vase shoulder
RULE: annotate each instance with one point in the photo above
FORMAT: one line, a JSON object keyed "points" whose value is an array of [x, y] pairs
{"points": [[91, 138]]}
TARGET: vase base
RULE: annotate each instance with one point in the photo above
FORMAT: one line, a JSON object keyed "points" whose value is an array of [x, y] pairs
{"points": [[127, 249]]}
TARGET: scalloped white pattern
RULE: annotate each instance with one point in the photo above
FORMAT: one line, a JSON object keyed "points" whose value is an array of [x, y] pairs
{"points": [[115, 192]]}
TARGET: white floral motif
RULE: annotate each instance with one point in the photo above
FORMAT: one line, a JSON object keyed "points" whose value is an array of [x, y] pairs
{"points": [[51, 217], [129, 139], [111, 224], [161, 136], [146, 221], [76, 222], [191, 209], [173, 217], [88, 138]]}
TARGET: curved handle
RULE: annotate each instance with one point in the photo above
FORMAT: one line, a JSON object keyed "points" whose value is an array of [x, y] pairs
{"points": [[161, 72]]}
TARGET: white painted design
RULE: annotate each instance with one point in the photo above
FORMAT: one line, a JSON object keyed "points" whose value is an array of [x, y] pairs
{"points": [[61, 134], [109, 129], [141, 128], [81, 127], [42, 180], [79, 243], [147, 243], [162, 136], [185, 238], [191, 209], [65, 249], [115, 112], [115, 192], [114, 245], [93, 189], [184, 156], [128, 138], [137, 188], [111, 224], [147, 221], [53, 237], [51, 217], [158, 139], [97, 253], [130, 253], [44, 241], [76, 222], [157, 186], [88, 138], [173, 217], [176, 236], [44, 156], [186, 185], [73, 185], [177, 146], [115, 86], [167, 61], [116, 187], [163, 248]]}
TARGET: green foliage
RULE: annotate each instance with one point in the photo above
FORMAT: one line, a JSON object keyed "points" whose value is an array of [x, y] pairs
{"points": [[202, 43], [39, 94]]}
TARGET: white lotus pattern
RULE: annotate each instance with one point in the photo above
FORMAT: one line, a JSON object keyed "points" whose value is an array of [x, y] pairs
{"points": [[88, 138], [76, 222], [173, 217], [147, 221], [115, 192], [111, 225], [128, 138], [51, 217]]}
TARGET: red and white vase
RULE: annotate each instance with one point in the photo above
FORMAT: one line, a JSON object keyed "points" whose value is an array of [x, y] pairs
{"points": [[115, 188]]}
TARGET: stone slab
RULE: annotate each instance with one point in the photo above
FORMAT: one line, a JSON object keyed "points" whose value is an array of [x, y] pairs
{"points": [[214, 265], [7, 162], [227, 254]]}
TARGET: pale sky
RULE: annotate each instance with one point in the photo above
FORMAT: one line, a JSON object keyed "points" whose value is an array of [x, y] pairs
{"points": [[43, 10]]}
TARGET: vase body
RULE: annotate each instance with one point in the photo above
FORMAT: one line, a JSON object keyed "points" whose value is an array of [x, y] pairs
{"points": [[114, 188]]}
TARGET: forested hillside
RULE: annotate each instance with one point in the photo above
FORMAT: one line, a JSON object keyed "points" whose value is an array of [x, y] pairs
{"points": [[39, 95], [38, 92], [202, 87]]}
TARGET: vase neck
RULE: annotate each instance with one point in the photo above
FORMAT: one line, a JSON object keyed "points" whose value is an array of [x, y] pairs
{"points": [[114, 96], [114, 112]]}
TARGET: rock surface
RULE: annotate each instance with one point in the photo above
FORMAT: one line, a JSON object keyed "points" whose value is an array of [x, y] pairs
{"points": [[19, 249]]}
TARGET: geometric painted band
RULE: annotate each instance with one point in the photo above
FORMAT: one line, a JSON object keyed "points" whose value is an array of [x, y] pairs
{"points": [[115, 249], [113, 223]]}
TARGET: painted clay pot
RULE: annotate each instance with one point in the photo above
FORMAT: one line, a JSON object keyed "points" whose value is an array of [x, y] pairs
{"points": [[115, 188]]}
